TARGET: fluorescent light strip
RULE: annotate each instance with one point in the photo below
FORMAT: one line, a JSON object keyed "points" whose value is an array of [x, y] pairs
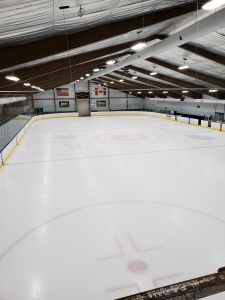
{"points": [[184, 67], [27, 84], [138, 46], [213, 4], [153, 73], [12, 78], [213, 91], [110, 62]]}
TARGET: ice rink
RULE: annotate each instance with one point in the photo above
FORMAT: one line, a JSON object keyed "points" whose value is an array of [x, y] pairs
{"points": [[103, 207]]}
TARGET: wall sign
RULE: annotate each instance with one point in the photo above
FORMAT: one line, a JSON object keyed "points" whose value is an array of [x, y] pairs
{"points": [[101, 103], [64, 104], [83, 95], [62, 92]]}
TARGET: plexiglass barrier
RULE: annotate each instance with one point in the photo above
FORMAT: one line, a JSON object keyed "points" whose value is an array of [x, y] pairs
{"points": [[11, 128]]}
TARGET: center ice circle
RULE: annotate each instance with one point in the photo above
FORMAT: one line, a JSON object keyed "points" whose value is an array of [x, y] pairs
{"points": [[131, 137]]}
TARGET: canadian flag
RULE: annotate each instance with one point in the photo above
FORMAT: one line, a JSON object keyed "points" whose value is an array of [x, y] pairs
{"points": [[100, 92]]}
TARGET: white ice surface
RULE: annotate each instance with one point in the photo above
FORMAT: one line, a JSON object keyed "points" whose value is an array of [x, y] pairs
{"points": [[103, 207]]}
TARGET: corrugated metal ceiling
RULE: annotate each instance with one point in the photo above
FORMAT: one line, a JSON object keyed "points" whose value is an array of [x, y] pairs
{"points": [[23, 20]]}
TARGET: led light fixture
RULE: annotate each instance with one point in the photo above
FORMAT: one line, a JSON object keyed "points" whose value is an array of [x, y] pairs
{"points": [[87, 75], [213, 91], [96, 70], [111, 82], [139, 46], [184, 66], [12, 78], [121, 80], [134, 77], [153, 73], [185, 92], [213, 4], [27, 84], [110, 62], [165, 92]]}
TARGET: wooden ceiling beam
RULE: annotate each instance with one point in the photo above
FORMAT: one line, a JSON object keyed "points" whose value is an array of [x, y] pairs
{"points": [[189, 72], [198, 50], [215, 57], [150, 84], [177, 82]]}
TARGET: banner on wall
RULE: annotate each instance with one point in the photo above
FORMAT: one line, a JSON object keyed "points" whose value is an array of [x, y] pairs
{"points": [[101, 103], [64, 104], [62, 92], [100, 91]]}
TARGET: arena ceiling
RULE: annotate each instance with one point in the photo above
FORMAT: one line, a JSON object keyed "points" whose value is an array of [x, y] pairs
{"points": [[49, 47]]}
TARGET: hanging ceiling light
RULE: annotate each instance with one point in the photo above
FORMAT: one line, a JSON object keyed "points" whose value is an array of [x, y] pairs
{"points": [[12, 78], [134, 77], [213, 91], [33, 86], [139, 92], [111, 82], [150, 92], [87, 75], [82, 78], [27, 84], [96, 69], [77, 80], [121, 80], [185, 92], [140, 45], [110, 62], [165, 92], [153, 73], [213, 4], [81, 11], [184, 66]]}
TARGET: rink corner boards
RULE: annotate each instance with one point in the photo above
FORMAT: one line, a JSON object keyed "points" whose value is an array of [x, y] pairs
{"points": [[16, 140]]}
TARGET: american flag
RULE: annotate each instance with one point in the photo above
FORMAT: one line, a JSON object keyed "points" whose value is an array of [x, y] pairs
{"points": [[62, 92], [100, 92]]}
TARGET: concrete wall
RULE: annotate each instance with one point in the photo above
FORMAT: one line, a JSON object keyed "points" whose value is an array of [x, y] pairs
{"points": [[115, 100]]}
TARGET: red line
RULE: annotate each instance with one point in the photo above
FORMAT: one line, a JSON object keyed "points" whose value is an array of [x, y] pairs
{"points": [[155, 281], [124, 287]]}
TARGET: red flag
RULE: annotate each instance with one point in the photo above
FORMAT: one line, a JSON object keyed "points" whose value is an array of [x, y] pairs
{"points": [[100, 92]]}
